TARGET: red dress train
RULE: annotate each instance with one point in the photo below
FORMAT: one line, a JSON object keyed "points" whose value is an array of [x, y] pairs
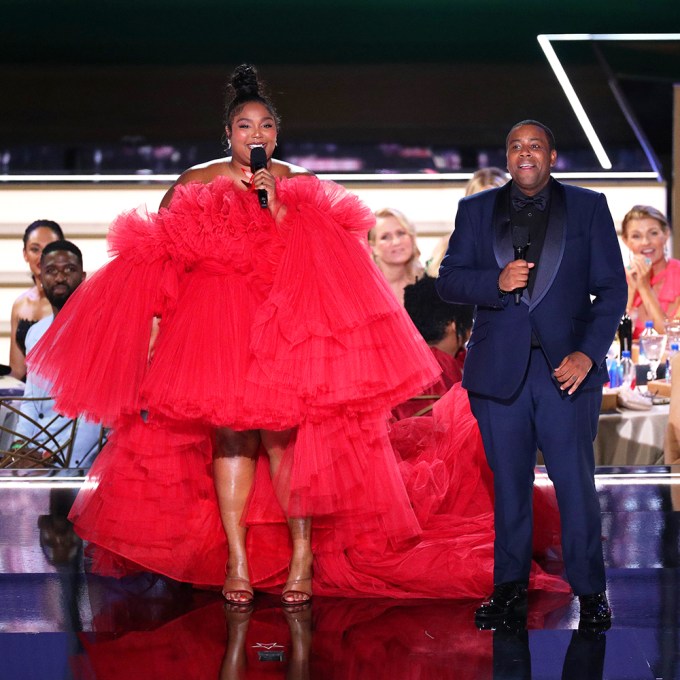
{"points": [[268, 325]]}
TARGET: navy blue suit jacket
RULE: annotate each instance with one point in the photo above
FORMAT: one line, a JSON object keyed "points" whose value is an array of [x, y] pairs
{"points": [[578, 299]]}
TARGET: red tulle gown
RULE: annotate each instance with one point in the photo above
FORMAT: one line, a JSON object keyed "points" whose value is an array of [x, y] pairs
{"points": [[268, 325]]}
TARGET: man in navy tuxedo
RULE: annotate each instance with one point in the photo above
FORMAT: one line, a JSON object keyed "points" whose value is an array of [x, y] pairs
{"points": [[546, 314]]}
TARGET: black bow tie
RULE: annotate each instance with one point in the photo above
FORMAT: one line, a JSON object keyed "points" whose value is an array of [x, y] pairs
{"points": [[519, 202]]}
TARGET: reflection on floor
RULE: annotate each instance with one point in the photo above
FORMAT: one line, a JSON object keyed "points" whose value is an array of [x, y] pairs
{"points": [[57, 622]]}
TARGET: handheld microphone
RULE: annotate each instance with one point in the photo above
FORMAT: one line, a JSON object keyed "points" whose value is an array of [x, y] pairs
{"points": [[258, 160], [520, 243]]}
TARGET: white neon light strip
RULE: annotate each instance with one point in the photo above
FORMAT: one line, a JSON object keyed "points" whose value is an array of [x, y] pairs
{"points": [[544, 41], [625, 480], [652, 37], [575, 102], [378, 176], [36, 483], [601, 479], [340, 177]]}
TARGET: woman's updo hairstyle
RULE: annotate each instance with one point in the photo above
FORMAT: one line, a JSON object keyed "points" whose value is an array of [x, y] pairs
{"points": [[244, 87], [48, 224]]}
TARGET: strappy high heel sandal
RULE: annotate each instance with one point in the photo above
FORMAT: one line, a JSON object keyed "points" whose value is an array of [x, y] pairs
{"points": [[293, 588], [234, 585]]}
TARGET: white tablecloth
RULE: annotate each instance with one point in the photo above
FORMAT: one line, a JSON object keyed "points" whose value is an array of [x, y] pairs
{"points": [[631, 437]]}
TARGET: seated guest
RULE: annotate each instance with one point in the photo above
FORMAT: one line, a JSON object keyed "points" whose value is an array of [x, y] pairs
{"points": [[393, 242], [446, 328], [61, 272], [485, 178], [31, 305], [653, 278], [481, 180]]}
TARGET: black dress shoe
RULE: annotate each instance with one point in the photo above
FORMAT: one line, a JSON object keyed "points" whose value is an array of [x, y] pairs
{"points": [[508, 600], [595, 609]]}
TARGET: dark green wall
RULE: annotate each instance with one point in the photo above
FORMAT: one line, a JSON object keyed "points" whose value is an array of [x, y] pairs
{"points": [[445, 72], [310, 31]]}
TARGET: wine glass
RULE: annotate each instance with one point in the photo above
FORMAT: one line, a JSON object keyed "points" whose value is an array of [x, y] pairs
{"points": [[653, 347]]}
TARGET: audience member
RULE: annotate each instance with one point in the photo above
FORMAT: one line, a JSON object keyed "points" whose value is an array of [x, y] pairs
{"points": [[485, 178], [653, 278], [61, 272], [31, 305], [446, 328], [393, 241], [481, 180]]}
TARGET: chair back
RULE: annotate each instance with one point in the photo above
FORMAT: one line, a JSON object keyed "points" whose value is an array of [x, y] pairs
{"points": [[51, 445]]}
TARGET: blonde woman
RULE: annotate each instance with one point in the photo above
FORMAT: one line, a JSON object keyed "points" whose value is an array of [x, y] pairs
{"points": [[393, 242], [481, 180], [653, 277], [485, 178]]}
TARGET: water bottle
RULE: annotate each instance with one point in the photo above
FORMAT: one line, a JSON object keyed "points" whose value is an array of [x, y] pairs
{"points": [[625, 333], [614, 369], [671, 354], [627, 370], [652, 346], [648, 330], [613, 354], [645, 374]]}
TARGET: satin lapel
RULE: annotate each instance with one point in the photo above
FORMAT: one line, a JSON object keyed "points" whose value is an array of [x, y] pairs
{"points": [[553, 246], [502, 242]]}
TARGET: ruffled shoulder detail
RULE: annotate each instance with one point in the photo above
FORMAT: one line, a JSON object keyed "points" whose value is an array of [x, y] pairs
{"points": [[339, 204], [134, 235]]}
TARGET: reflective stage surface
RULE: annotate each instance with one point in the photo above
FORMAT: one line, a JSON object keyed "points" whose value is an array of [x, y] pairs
{"points": [[57, 622]]}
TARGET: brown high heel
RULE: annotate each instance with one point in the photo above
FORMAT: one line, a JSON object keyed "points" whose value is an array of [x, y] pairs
{"points": [[307, 592], [247, 593]]}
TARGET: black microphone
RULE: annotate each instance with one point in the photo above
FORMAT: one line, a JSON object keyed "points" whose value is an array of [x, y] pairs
{"points": [[520, 243], [258, 160]]}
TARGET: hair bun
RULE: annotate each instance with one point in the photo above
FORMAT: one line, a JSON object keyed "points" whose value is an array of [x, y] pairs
{"points": [[245, 87], [244, 81]]}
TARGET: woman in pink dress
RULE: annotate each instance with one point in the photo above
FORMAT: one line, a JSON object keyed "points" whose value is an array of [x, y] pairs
{"points": [[653, 277]]}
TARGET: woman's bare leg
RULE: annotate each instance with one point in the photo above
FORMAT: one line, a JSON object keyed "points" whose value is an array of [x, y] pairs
{"points": [[234, 470], [298, 588]]}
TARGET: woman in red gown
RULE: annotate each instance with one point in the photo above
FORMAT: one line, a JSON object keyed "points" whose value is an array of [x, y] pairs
{"points": [[247, 360]]}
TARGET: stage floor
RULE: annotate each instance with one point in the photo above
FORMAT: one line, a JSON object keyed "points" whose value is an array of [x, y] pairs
{"points": [[57, 622]]}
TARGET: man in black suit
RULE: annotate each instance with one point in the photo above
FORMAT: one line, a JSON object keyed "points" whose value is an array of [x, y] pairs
{"points": [[545, 318]]}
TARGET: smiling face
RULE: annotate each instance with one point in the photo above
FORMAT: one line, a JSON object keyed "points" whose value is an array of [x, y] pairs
{"points": [[391, 241], [647, 237], [35, 242], [530, 158], [254, 125]]}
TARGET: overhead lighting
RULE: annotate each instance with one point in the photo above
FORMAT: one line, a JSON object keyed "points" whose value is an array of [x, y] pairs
{"points": [[567, 87], [335, 177], [544, 40]]}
